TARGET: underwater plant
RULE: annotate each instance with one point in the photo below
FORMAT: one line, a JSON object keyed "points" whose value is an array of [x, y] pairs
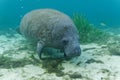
{"points": [[88, 33]]}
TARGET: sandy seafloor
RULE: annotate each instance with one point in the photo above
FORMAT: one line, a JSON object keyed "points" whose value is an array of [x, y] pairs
{"points": [[18, 61]]}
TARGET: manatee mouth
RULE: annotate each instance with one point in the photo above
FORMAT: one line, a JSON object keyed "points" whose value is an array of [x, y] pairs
{"points": [[67, 55], [74, 53]]}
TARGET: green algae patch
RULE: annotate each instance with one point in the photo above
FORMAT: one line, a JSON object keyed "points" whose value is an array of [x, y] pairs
{"points": [[7, 62], [53, 66], [75, 75], [114, 50], [93, 60], [105, 71]]}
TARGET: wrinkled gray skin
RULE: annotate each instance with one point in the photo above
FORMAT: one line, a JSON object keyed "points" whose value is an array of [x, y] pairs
{"points": [[51, 28]]}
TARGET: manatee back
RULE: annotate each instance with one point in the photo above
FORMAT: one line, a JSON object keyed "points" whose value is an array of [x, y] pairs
{"points": [[39, 24]]}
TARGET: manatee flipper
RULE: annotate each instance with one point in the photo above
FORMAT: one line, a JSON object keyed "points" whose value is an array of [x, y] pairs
{"points": [[39, 49]]}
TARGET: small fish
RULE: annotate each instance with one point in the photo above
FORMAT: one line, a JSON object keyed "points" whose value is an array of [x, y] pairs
{"points": [[103, 24]]}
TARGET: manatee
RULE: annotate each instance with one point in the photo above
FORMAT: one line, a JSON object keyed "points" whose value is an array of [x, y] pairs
{"points": [[51, 28]]}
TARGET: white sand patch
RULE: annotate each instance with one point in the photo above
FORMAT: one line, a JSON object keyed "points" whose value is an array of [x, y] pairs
{"points": [[21, 73], [95, 63]]}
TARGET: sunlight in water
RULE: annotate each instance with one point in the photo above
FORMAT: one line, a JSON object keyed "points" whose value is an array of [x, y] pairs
{"points": [[2, 4], [3, 1]]}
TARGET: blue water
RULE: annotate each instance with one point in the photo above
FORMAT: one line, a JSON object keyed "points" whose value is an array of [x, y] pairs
{"points": [[96, 11]]}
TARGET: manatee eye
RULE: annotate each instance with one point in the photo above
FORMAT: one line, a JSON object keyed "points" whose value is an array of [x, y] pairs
{"points": [[65, 41]]}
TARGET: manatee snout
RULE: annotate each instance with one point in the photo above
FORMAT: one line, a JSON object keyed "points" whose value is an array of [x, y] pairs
{"points": [[76, 51], [72, 50]]}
